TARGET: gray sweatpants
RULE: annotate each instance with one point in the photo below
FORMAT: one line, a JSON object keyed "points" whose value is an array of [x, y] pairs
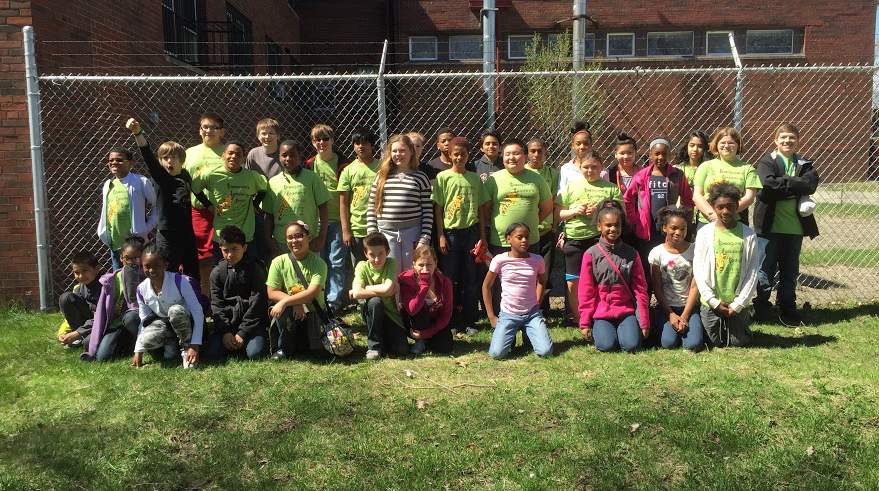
{"points": [[727, 331], [160, 332]]}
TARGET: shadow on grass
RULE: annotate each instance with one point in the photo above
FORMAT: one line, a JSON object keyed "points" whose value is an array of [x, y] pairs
{"points": [[768, 340], [836, 314]]}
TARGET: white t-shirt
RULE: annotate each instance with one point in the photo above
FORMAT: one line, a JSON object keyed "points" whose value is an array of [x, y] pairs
{"points": [[568, 174], [676, 271], [518, 281]]}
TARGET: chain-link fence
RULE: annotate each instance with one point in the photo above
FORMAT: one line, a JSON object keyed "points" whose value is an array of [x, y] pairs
{"points": [[83, 118]]}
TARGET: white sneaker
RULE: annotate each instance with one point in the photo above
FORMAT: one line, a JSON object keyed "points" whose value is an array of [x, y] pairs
{"points": [[186, 364], [372, 354], [418, 347]]}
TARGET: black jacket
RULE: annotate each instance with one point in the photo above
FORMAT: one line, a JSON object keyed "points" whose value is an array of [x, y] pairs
{"points": [[777, 186], [239, 301]]}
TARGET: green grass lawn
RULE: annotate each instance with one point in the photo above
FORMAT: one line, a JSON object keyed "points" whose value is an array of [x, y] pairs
{"points": [[840, 256], [796, 411], [848, 210]]}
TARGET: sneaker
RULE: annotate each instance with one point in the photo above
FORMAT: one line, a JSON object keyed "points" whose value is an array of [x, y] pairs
{"points": [[791, 319], [471, 331], [372, 354], [186, 364], [279, 355], [417, 348]]}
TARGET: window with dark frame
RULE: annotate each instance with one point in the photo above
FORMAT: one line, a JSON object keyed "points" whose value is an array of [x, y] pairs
{"points": [[274, 62], [183, 23], [770, 41], [670, 43], [240, 42]]}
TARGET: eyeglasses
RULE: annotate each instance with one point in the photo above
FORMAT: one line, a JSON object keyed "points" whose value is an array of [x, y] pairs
{"points": [[117, 159], [131, 258], [323, 139], [208, 127], [297, 236]]}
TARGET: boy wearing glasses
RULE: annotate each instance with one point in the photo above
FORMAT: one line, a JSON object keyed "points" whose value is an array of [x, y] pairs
{"points": [[200, 159], [328, 165], [123, 204]]}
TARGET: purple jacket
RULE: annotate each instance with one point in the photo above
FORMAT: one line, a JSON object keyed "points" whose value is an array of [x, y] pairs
{"points": [[106, 310], [637, 198]]}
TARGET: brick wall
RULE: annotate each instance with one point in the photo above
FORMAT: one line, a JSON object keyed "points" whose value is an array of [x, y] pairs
{"points": [[18, 263]]}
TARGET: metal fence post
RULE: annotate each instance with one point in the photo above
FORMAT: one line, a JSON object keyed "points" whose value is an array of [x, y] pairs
{"points": [[740, 84], [37, 171], [382, 101], [488, 59]]}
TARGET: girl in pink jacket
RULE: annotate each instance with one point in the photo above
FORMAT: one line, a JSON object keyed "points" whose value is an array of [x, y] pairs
{"points": [[654, 187], [427, 302], [614, 307]]}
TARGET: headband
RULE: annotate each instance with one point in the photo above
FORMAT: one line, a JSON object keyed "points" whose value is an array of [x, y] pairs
{"points": [[657, 141], [583, 131]]}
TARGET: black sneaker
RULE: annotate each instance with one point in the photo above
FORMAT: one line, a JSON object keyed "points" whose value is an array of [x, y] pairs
{"points": [[791, 319], [279, 355]]}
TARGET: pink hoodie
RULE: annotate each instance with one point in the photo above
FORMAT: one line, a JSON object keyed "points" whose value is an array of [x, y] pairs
{"points": [[637, 198], [603, 295]]}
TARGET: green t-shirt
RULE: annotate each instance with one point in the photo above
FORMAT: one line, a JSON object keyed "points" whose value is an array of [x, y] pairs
{"points": [[728, 247], [118, 214], [327, 173], [366, 275], [294, 197], [551, 176], [357, 179], [689, 171], [282, 276], [460, 196], [515, 199], [232, 197], [787, 220], [200, 159], [589, 193], [740, 174]]}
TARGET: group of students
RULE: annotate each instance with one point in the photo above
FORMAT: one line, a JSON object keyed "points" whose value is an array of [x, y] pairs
{"points": [[424, 237]]}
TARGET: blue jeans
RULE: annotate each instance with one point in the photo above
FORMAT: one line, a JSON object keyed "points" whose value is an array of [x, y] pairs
{"points": [[335, 253], [115, 258], [614, 334], [459, 267], [778, 252], [508, 325], [120, 340], [256, 345], [382, 333], [693, 339]]}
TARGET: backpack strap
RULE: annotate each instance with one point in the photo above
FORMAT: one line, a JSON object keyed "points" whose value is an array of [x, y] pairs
{"points": [[317, 308], [619, 273]]}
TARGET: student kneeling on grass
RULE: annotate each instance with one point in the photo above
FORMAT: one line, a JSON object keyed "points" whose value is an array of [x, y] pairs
{"points": [[613, 302], [116, 317], [78, 307], [523, 278], [375, 282], [239, 302], [725, 268], [427, 299], [171, 315], [294, 282]]}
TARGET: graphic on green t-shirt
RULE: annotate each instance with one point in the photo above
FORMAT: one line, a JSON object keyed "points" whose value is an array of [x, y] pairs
{"points": [[327, 172], [282, 276], [460, 196], [739, 174], [551, 176], [232, 196], [587, 193], [689, 171], [294, 197], [728, 247], [200, 159], [515, 199], [366, 275], [118, 214], [787, 219], [357, 179]]}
